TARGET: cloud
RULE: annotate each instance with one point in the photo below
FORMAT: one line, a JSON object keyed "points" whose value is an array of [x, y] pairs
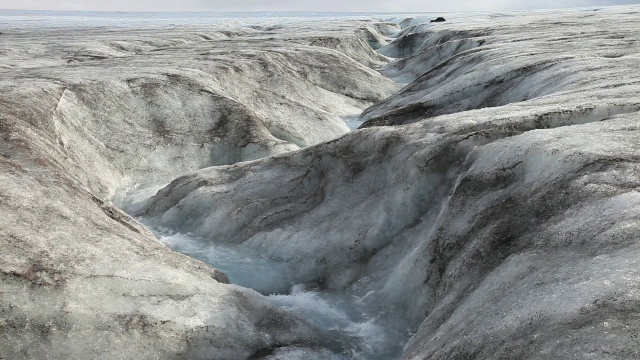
{"points": [[297, 5]]}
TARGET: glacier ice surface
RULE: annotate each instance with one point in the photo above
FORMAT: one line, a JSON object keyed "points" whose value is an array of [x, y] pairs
{"points": [[497, 218], [457, 222]]}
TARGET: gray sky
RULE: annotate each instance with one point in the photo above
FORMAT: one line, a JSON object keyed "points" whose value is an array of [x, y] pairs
{"points": [[298, 5]]}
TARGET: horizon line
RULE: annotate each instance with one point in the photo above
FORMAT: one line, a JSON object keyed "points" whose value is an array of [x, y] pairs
{"points": [[318, 11]]}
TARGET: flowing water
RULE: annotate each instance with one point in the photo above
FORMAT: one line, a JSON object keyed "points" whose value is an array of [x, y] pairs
{"points": [[353, 121], [351, 330]]}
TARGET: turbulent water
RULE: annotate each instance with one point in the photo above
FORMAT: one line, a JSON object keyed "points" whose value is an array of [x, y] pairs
{"points": [[498, 216], [357, 333], [352, 330], [353, 122]]}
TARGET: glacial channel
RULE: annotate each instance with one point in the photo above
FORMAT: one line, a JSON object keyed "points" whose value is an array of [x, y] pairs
{"points": [[196, 192], [351, 330]]}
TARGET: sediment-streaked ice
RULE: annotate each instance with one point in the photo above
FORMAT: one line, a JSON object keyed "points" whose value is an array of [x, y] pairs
{"points": [[499, 218], [458, 224], [92, 119], [499, 59]]}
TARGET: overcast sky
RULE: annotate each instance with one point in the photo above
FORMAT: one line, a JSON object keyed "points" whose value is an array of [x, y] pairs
{"points": [[298, 5]]}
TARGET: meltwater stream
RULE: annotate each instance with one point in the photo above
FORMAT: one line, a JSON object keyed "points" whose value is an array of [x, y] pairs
{"points": [[355, 333], [353, 121]]}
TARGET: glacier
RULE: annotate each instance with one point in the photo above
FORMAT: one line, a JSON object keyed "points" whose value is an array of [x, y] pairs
{"points": [[197, 193]]}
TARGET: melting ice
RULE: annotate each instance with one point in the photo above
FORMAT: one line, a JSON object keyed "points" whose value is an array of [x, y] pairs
{"points": [[351, 331]]}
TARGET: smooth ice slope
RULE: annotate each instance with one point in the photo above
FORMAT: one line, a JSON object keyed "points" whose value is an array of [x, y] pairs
{"points": [[507, 228]]}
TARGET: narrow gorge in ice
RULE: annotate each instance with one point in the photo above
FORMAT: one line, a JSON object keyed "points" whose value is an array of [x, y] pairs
{"points": [[379, 187]]}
